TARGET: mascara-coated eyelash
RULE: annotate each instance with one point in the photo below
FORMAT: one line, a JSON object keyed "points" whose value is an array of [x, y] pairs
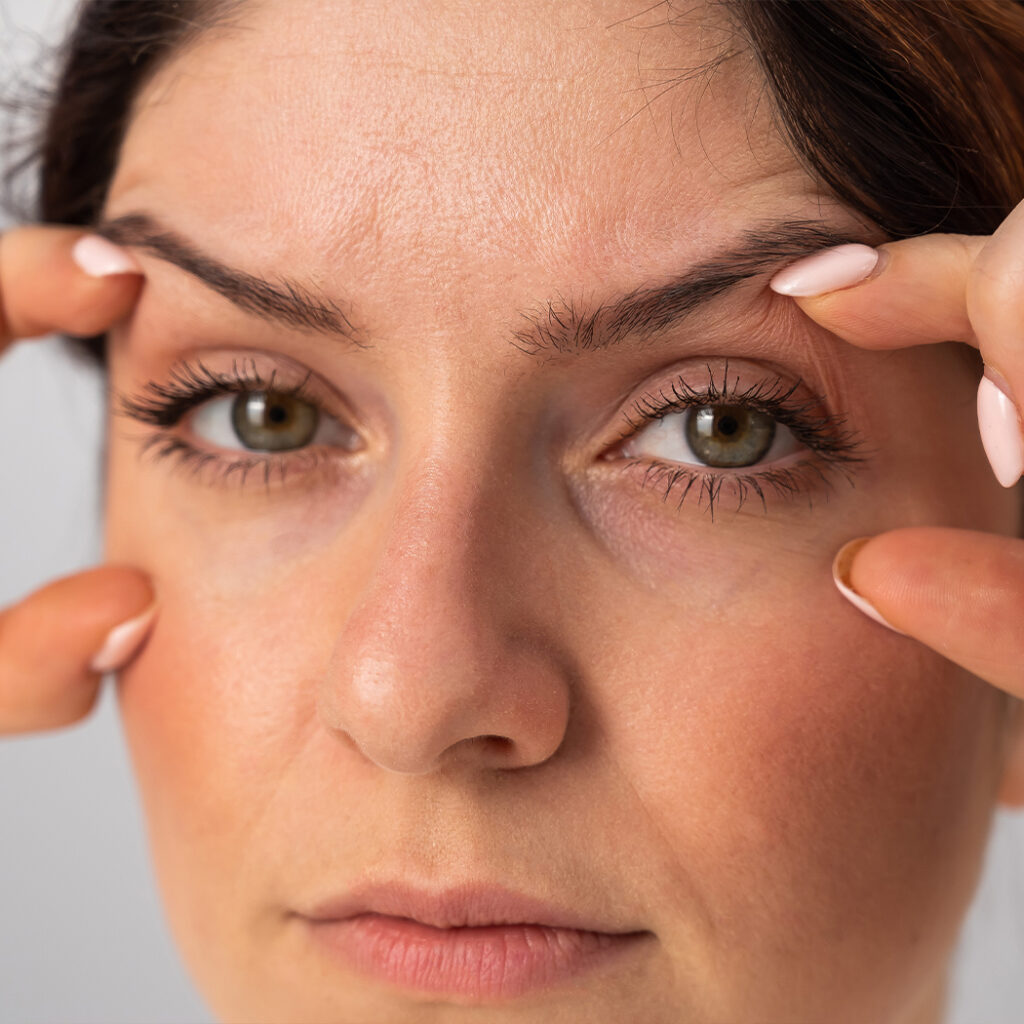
{"points": [[832, 447], [191, 384]]}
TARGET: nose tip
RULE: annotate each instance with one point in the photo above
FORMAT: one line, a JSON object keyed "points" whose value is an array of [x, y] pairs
{"points": [[425, 716], [442, 658]]}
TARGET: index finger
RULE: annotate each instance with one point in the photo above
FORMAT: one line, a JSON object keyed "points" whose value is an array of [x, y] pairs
{"points": [[911, 292], [929, 289], [62, 279]]}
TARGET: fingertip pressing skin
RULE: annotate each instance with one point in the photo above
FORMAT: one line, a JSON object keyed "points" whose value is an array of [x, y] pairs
{"points": [[842, 266], [100, 258], [51, 642], [123, 642], [960, 592], [913, 294], [842, 565], [57, 279]]}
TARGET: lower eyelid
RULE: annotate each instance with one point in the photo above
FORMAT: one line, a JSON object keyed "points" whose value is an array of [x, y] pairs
{"points": [[783, 482]]}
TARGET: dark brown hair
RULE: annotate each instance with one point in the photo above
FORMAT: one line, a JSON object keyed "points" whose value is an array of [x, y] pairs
{"points": [[911, 112]]}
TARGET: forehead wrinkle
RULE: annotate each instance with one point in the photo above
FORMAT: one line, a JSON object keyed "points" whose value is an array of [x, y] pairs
{"points": [[338, 184]]}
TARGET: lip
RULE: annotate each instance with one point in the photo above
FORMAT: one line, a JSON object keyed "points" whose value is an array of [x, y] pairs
{"points": [[479, 942]]}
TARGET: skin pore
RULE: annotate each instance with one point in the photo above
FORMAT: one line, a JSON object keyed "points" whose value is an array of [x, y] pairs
{"points": [[472, 635]]}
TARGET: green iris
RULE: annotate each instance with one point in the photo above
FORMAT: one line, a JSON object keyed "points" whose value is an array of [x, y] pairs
{"points": [[270, 421], [729, 435]]}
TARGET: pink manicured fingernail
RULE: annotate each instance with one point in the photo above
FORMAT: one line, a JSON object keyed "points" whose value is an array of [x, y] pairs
{"points": [[826, 271], [841, 565], [100, 258], [1000, 432], [123, 642]]}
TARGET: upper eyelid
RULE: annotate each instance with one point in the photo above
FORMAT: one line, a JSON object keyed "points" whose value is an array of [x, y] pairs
{"points": [[189, 382], [827, 434]]}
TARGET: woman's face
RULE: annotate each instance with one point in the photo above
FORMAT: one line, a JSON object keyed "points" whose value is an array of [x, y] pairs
{"points": [[484, 621]]}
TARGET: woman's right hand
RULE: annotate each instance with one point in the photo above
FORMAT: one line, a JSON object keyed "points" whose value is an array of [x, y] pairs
{"points": [[55, 642]]}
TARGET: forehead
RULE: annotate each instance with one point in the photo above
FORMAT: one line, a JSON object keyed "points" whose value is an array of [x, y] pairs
{"points": [[554, 132]]}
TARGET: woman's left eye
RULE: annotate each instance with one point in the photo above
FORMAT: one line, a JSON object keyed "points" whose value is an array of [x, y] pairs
{"points": [[721, 436], [266, 421]]}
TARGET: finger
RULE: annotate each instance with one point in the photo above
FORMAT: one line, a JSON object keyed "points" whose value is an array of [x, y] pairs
{"points": [[932, 289], [995, 302], [55, 641], [957, 591], [912, 292], [62, 279]]}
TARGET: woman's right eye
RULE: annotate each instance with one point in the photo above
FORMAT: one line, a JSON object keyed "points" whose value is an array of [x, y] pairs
{"points": [[267, 421]]}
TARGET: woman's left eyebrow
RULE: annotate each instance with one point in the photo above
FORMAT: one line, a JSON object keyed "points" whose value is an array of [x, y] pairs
{"points": [[649, 311]]}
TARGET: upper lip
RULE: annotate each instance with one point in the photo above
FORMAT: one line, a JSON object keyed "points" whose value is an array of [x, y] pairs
{"points": [[472, 905]]}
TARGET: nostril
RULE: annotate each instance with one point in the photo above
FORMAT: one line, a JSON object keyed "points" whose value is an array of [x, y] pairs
{"points": [[499, 744], [491, 746]]}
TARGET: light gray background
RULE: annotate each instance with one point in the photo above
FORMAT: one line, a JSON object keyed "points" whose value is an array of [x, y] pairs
{"points": [[82, 938]]}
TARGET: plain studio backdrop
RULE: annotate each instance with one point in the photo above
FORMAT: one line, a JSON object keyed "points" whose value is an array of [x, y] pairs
{"points": [[82, 937]]}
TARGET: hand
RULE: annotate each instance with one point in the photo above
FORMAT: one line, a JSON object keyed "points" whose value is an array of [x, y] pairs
{"points": [[959, 592], [54, 643]]}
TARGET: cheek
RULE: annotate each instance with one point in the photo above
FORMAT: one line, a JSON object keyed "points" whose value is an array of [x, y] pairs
{"points": [[817, 788]]}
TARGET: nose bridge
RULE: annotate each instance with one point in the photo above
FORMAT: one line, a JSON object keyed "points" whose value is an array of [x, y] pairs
{"points": [[438, 657], [438, 542]]}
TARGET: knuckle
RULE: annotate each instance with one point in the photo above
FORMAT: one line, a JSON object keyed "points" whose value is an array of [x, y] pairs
{"points": [[996, 282]]}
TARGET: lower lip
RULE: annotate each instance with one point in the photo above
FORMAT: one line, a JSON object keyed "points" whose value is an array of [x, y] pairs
{"points": [[497, 962]]}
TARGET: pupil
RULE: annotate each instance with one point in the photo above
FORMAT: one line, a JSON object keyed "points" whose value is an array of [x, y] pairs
{"points": [[727, 425], [267, 421]]}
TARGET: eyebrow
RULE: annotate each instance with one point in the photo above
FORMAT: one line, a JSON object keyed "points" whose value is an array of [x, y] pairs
{"points": [[283, 302], [564, 326], [561, 326]]}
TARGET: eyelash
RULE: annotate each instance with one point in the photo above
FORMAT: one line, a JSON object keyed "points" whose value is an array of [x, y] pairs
{"points": [[189, 385], [836, 448]]}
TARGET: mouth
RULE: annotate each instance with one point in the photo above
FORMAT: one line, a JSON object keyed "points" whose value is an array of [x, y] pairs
{"points": [[482, 943]]}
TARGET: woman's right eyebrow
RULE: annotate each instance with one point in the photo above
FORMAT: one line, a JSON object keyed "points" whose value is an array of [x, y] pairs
{"points": [[286, 302], [558, 327]]}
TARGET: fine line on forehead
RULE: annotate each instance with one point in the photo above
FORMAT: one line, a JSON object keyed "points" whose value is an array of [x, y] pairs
{"points": [[559, 326]]}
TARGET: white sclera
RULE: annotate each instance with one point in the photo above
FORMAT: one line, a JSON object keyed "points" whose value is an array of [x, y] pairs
{"points": [[666, 439], [212, 422]]}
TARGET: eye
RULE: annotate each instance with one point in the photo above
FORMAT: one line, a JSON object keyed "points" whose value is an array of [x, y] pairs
{"points": [[267, 421], [721, 436]]}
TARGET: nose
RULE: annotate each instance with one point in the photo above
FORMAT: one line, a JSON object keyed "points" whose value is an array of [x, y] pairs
{"points": [[442, 659]]}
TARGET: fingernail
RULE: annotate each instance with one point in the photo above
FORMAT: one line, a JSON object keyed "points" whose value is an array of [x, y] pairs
{"points": [[1000, 432], [826, 271], [841, 566], [100, 258], [123, 642]]}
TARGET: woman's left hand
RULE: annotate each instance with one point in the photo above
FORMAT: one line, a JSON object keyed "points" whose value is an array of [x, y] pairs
{"points": [[958, 591]]}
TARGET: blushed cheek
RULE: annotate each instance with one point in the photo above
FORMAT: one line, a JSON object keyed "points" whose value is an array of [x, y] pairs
{"points": [[219, 712], [825, 795]]}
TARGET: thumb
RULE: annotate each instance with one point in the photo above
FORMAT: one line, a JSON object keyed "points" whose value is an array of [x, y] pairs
{"points": [[959, 592]]}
